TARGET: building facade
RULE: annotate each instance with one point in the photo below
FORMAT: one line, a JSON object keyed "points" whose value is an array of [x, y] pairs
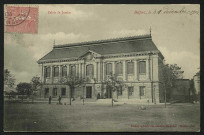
{"points": [[135, 60], [196, 80]]}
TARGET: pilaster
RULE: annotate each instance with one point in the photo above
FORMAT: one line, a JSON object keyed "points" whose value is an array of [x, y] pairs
{"points": [[124, 71]]}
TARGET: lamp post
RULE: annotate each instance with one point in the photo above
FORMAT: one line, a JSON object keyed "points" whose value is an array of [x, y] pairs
{"points": [[154, 95], [83, 93]]}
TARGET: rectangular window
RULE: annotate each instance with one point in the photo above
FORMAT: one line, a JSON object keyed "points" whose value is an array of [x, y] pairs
{"points": [[90, 70], [54, 93], [46, 92], [130, 91], [119, 68], [142, 67], [130, 68], [119, 91], [47, 72], [64, 71], [142, 90], [73, 70], [63, 91], [56, 71], [108, 68]]}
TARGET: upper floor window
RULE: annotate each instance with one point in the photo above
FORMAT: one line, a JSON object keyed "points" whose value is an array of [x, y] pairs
{"points": [[47, 72], [108, 68], [73, 70], [90, 70], [119, 68], [64, 71], [130, 68], [56, 71], [142, 67]]}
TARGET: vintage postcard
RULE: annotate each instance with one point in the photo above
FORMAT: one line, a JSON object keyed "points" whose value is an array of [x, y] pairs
{"points": [[101, 68]]}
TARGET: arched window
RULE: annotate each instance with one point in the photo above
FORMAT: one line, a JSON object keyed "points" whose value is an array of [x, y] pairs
{"points": [[108, 68], [130, 68], [142, 67], [56, 71], [119, 68], [47, 72], [64, 71], [90, 70], [73, 70]]}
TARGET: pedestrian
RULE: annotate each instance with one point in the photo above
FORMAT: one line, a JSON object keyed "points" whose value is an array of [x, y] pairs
{"points": [[50, 98], [59, 100]]}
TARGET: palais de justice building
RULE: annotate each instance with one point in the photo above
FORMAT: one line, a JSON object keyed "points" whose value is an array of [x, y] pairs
{"points": [[135, 60]]}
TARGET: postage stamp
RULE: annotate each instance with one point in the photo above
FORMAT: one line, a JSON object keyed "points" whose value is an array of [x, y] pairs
{"points": [[21, 19]]}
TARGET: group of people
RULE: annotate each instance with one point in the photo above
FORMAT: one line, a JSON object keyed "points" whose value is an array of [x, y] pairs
{"points": [[59, 99]]}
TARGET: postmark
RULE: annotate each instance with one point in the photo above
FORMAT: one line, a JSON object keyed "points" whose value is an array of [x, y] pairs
{"points": [[21, 19]]}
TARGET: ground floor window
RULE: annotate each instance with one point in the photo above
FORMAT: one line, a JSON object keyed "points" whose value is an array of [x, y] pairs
{"points": [[63, 91], [142, 90], [119, 90], [54, 93], [46, 92], [130, 91]]}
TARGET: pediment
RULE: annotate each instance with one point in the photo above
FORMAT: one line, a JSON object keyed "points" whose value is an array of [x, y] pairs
{"points": [[90, 55]]}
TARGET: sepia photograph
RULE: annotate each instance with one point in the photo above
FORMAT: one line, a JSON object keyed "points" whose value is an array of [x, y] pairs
{"points": [[101, 68]]}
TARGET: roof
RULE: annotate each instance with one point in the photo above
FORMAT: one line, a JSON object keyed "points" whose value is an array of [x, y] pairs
{"points": [[133, 44]]}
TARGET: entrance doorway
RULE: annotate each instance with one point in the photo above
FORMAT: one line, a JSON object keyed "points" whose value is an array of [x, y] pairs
{"points": [[109, 93], [88, 92]]}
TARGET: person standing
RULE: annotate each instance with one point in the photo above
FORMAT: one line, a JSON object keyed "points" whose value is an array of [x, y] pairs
{"points": [[59, 100], [50, 98]]}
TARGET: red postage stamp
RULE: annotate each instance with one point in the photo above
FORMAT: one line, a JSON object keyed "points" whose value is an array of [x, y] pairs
{"points": [[21, 19]]}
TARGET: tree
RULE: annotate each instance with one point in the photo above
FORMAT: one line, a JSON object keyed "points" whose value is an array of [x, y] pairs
{"points": [[36, 86], [170, 74], [72, 81], [9, 79], [113, 83], [9, 82], [24, 89]]}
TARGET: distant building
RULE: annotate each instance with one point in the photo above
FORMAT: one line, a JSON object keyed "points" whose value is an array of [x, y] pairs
{"points": [[196, 80], [181, 90], [135, 60]]}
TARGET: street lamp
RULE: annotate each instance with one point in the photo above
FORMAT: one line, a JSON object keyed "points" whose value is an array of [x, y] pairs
{"points": [[154, 95], [83, 93]]}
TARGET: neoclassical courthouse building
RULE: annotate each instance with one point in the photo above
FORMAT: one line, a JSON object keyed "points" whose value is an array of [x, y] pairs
{"points": [[135, 60]]}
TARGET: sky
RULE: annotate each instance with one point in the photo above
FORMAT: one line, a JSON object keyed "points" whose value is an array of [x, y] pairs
{"points": [[177, 35]]}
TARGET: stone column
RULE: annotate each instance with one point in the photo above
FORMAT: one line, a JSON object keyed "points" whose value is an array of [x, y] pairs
{"points": [[60, 72], [79, 70], [135, 70], [113, 68], [138, 74], [82, 70], [43, 73], [51, 76], [147, 69], [67, 69], [124, 71], [97, 71], [103, 71]]}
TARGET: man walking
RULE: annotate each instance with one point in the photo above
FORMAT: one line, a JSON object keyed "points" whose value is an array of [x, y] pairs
{"points": [[50, 98]]}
